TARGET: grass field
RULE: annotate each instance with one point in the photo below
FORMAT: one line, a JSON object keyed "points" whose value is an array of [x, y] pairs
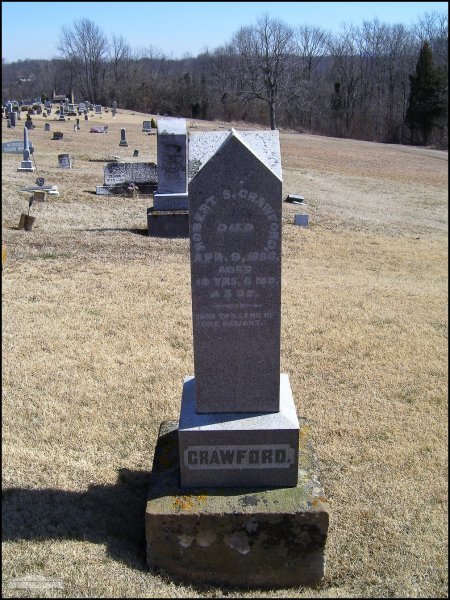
{"points": [[97, 337]]}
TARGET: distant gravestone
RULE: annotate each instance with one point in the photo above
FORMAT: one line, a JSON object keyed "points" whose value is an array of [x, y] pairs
{"points": [[135, 153], [86, 118], [26, 164], [12, 118], [118, 177], [113, 112], [123, 139], [99, 129], [98, 109], [301, 220], [57, 135], [61, 113], [65, 161], [47, 127], [172, 165], [146, 126]]}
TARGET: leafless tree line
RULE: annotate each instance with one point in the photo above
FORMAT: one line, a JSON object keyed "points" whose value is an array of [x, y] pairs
{"points": [[351, 84]]}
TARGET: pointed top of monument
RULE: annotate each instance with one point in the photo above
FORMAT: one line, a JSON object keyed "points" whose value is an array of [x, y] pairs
{"points": [[264, 145]]}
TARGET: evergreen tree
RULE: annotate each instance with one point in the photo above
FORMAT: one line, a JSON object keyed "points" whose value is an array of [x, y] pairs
{"points": [[426, 102]]}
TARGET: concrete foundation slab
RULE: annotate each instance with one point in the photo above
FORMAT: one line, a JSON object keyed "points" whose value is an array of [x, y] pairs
{"points": [[168, 224], [255, 537]]}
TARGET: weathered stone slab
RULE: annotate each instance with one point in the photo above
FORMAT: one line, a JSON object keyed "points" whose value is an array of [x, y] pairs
{"points": [[235, 232], [249, 449], [14, 147], [167, 224], [171, 155], [136, 172], [254, 537]]}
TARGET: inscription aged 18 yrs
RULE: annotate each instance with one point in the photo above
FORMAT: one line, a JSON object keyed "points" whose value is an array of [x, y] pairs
{"points": [[239, 279]]}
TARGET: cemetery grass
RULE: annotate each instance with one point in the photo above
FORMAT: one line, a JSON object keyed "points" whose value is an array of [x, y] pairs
{"points": [[97, 337]]}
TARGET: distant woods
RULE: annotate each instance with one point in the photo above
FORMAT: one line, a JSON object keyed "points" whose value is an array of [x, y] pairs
{"points": [[378, 82]]}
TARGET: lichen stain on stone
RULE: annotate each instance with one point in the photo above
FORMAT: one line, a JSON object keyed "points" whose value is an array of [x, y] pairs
{"points": [[249, 501], [321, 503], [188, 502], [238, 541]]}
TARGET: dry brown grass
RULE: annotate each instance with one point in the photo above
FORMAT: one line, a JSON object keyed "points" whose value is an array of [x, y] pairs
{"points": [[97, 339]]}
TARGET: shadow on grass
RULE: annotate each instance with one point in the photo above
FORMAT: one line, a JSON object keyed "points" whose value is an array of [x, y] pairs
{"points": [[136, 231], [105, 514]]}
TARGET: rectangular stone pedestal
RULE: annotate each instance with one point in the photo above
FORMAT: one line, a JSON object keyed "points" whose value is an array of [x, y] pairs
{"points": [[178, 201], [238, 449], [162, 223], [247, 537]]}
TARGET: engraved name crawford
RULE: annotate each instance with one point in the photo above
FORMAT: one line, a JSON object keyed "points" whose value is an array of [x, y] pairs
{"points": [[261, 456]]}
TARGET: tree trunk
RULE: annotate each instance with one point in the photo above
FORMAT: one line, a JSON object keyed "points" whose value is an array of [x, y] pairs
{"points": [[272, 115]]}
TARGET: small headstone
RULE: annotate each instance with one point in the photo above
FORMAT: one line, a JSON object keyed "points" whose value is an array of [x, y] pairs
{"points": [[99, 129], [98, 109], [146, 126], [57, 135], [301, 220], [65, 161], [40, 196], [135, 153], [61, 113], [123, 139], [12, 118], [46, 126], [8, 123], [86, 118], [113, 112], [40, 181]]}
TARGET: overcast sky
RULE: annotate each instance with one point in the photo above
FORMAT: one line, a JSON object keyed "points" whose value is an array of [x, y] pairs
{"points": [[32, 29]]}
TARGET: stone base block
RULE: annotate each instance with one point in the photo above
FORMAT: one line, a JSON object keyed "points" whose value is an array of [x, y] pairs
{"points": [[245, 449], [26, 165], [122, 190], [167, 223], [123, 144], [255, 537], [170, 201]]}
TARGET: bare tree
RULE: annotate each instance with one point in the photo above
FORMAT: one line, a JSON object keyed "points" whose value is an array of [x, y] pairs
{"points": [[263, 52], [120, 57], [85, 48]]}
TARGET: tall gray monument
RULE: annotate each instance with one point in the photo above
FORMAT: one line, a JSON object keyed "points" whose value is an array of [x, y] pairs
{"points": [[26, 164], [235, 233], [171, 145], [226, 502]]}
